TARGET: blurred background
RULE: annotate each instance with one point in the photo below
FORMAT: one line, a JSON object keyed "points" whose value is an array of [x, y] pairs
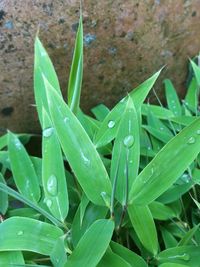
{"points": [[125, 42]]}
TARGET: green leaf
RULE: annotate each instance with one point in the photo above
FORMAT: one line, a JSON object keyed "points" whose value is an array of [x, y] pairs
{"points": [[22, 168], [168, 264], [127, 144], [92, 245], [43, 66], [26, 234], [188, 236], [196, 70], [16, 195], [168, 238], [100, 112], [11, 258], [167, 166], [159, 112], [58, 255], [53, 172], [3, 198], [172, 98], [76, 73], [80, 224], [111, 259], [143, 223], [191, 98], [78, 149], [188, 255], [109, 127], [160, 211], [132, 258]]}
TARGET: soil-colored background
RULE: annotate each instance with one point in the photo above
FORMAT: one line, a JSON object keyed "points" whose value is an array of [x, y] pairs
{"points": [[124, 43]]}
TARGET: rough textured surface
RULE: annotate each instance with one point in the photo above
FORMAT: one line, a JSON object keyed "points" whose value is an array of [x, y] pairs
{"points": [[125, 42]]}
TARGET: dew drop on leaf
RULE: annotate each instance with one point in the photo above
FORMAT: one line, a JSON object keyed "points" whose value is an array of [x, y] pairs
{"points": [[191, 140], [111, 124], [86, 161], [18, 145], [48, 202], [48, 132], [52, 185], [66, 120], [128, 141], [198, 132], [19, 233]]}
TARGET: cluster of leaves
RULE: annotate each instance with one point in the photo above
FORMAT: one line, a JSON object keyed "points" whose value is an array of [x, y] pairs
{"points": [[118, 189]]}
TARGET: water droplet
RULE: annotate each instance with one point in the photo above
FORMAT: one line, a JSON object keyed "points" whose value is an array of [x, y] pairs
{"points": [[66, 120], [198, 132], [128, 141], [19, 233], [48, 132], [161, 128], [149, 148], [130, 161], [52, 185], [18, 144], [173, 101], [86, 161], [191, 140], [48, 202], [111, 124]]}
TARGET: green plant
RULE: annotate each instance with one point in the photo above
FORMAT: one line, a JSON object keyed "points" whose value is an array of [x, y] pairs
{"points": [[117, 189]]}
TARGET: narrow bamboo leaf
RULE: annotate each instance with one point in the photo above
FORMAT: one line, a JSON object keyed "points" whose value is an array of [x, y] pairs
{"points": [[196, 70], [111, 259], [160, 135], [168, 264], [24, 138], [58, 255], [167, 166], [172, 98], [168, 238], [43, 66], [160, 211], [186, 255], [91, 214], [100, 112], [26, 234], [76, 73], [11, 258], [92, 245], [188, 236], [83, 205], [159, 112], [132, 258], [192, 94], [22, 168], [109, 127], [24, 212], [53, 172], [175, 192], [16, 195], [183, 120], [156, 123], [144, 226], [127, 144], [78, 148], [3, 198]]}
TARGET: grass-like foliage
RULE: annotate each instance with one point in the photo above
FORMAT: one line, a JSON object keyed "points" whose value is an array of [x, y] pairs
{"points": [[119, 189]]}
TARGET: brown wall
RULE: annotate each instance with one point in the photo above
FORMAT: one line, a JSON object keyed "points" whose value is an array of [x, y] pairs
{"points": [[125, 42]]}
